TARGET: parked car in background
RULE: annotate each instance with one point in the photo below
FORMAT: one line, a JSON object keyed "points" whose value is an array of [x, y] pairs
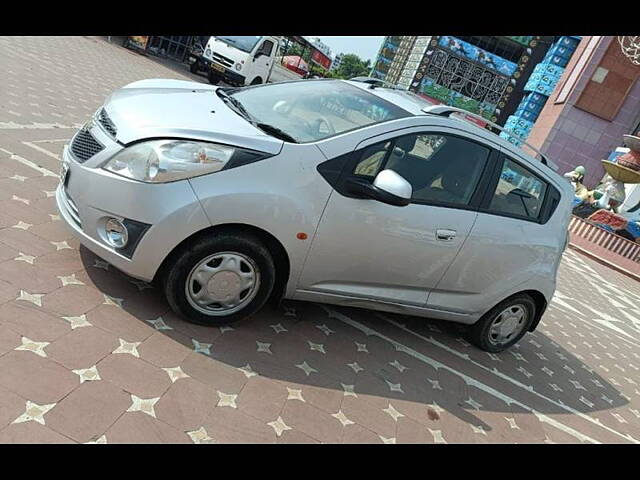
{"points": [[319, 190], [236, 60]]}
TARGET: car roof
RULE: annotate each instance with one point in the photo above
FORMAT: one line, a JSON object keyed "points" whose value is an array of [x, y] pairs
{"points": [[402, 98], [416, 105]]}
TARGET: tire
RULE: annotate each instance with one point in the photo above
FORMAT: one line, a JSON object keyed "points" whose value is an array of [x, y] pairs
{"points": [[480, 333], [193, 68], [213, 79], [180, 283], [256, 81]]}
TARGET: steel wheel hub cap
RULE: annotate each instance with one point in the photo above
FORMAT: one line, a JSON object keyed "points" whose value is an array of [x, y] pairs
{"points": [[222, 284], [507, 324]]}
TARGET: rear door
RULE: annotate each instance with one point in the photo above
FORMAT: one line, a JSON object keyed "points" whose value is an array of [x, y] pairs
{"points": [[367, 249], [512, 241]]}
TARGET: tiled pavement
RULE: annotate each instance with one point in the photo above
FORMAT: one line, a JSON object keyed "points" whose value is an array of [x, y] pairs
{"points": [[89, 355]]}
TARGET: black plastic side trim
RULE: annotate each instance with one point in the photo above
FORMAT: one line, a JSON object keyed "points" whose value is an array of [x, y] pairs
{"points": [[136, 231]]}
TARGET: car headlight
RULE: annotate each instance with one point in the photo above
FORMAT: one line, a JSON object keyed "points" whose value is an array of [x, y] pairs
{"points": [[161, 161], [238, 66]]}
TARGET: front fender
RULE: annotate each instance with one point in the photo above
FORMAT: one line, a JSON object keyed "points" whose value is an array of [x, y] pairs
{"points": [[283, 196]]}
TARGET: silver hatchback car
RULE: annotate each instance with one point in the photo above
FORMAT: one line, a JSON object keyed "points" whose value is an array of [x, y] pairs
{"points": [[321, 190]]}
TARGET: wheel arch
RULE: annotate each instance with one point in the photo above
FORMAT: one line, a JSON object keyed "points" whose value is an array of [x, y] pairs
{"points": [[539, 300], [275, 247], [541, 306]]}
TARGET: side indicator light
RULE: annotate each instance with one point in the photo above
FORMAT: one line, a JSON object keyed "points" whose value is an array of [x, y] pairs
{"points": [[301, 236]]}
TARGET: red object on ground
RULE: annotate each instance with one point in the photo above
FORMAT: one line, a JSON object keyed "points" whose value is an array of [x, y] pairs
{"points": [[609, 218], [630, 160], [607, 248], [296, 63]]}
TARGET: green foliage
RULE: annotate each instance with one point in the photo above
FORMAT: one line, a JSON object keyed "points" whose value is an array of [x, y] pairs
{"points": [[296, 50], [352, 66]]}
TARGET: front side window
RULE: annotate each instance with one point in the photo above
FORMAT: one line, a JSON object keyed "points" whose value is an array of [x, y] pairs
{"points": [[519, 192], [372, 159], [267, 47], [315, 109], [441, 168], [245, 44]]}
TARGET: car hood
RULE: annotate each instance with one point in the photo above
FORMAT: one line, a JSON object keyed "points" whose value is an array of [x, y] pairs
{"points": [[181, 109]]}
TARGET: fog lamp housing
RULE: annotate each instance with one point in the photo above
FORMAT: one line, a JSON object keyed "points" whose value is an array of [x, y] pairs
{"points": [[116, 234], [123, 235]]}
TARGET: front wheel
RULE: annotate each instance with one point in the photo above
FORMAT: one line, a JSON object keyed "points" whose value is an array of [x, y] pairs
{"points": [[213, 79], [504, 324], [193, 68], [220, 279], [256, 81]]}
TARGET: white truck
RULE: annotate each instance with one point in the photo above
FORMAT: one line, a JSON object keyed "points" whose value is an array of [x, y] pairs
{"points": [[237, 60]]}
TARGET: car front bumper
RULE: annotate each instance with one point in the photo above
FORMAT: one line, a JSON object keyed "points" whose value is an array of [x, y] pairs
{"points": [[171, 211], [216, 69]]}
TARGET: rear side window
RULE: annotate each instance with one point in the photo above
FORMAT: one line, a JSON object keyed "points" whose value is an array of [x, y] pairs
{"points": [[519, 192]]}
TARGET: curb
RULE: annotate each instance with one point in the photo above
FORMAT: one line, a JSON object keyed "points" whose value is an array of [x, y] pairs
{"points": [[604, 262]]}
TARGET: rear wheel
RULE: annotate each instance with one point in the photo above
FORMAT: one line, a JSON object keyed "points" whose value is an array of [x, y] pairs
{"points": [[220, 279], [504, 324]]}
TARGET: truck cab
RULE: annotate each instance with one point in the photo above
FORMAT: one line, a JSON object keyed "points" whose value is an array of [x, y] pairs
{"points": [[237, 60]]}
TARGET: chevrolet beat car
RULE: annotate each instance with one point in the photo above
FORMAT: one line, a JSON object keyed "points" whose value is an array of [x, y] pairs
{"points": [[321, 190]]}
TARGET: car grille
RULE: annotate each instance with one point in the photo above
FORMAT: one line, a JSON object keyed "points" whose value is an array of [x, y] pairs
{"points": [[84, 146], [106, 122], [227, 62]]}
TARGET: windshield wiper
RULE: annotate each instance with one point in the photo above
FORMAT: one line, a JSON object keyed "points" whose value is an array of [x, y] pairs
{"points": [[270, 129], [276, 132], [236, 103]]}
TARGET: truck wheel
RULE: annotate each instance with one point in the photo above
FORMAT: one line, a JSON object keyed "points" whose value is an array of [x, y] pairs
{"points": [[193, 68], [504, 324], [256, 81], [213, 79], [220, 279]]}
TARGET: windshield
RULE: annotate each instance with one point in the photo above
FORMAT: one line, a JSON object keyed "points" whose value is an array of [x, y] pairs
{"points": [[311, 110], [245, 44]]}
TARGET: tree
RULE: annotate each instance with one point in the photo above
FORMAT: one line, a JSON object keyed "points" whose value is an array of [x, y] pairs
{"points": [[353, 66], [296, 49]]}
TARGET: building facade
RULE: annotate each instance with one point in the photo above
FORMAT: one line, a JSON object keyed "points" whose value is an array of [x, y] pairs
{"points": [[320, 45], [412, 62], [396, 67], [386, 55], [337, 61], [595, 102], [484, 75]]}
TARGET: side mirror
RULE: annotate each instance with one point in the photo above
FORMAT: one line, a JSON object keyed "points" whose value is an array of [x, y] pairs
{"points": [[388, 187]]}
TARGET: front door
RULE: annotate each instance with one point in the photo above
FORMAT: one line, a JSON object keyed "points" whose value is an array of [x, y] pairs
{"points": [[262, 63], [368, 249]]}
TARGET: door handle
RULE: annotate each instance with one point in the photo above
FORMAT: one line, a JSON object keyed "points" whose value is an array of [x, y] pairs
{"points": [[445, 235]]}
